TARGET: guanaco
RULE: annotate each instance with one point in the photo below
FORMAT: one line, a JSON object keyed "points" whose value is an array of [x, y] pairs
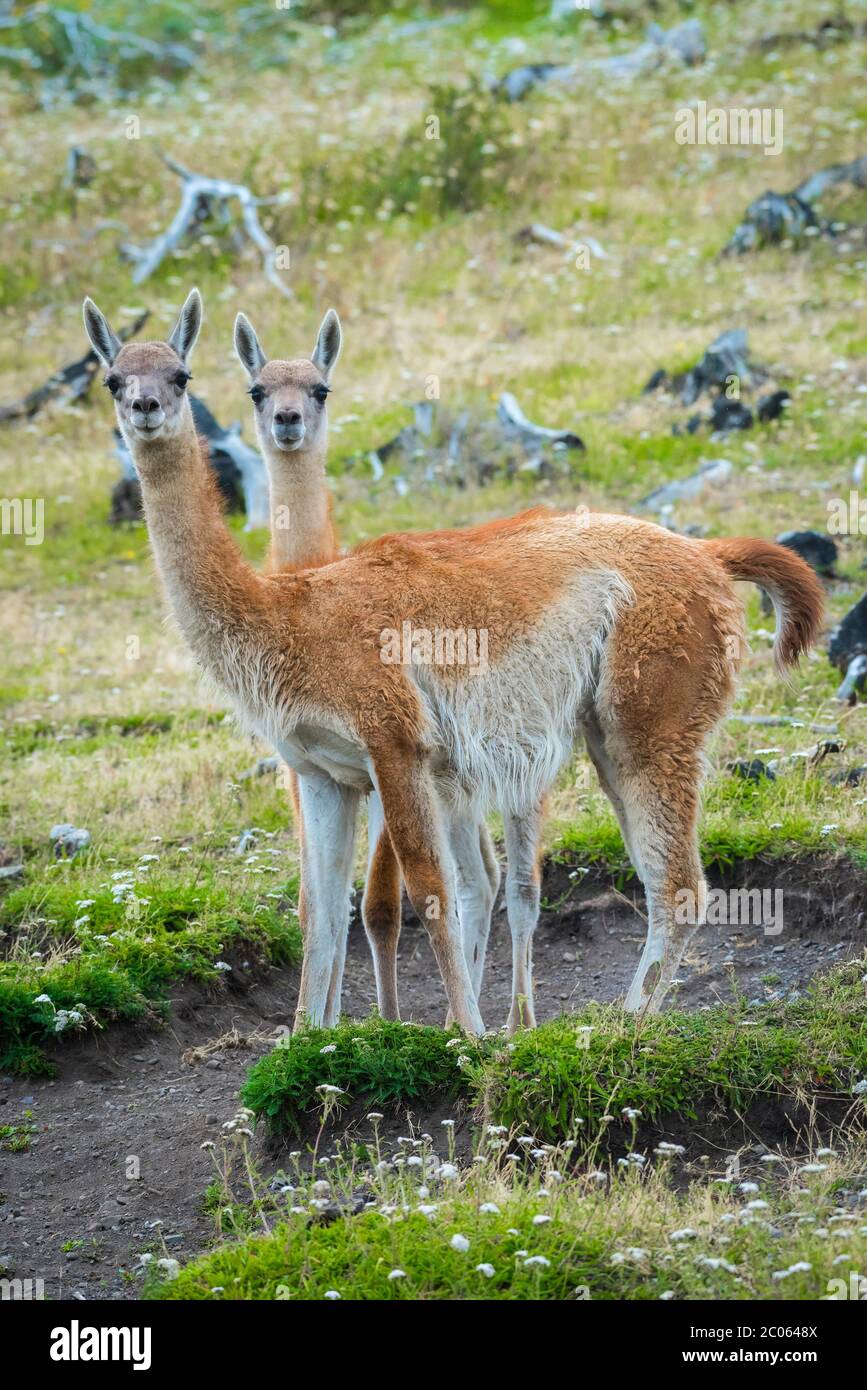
{"points": [[291, 421], [601, 624]]}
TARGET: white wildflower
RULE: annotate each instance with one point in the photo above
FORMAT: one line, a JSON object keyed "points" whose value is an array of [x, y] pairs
{"points": [[802, 1267]]}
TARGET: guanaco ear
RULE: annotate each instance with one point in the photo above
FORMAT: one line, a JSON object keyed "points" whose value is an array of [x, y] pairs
{"points": [[105, 344], [185, 332], [327, 349], [248, 347]]}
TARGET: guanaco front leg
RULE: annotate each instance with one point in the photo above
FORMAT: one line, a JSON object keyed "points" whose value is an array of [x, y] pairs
{"points": [[380, 908], [412, 815], [522, 906], [328, 813], [478, 879]]}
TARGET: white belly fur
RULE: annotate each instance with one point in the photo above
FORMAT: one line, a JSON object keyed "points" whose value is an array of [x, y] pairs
{"points": [[502, 734], [499, 734]]}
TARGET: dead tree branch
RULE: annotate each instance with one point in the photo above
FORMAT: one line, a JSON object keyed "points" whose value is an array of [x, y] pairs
{"points": [[89, 44], [74, 380], [200, 197]]}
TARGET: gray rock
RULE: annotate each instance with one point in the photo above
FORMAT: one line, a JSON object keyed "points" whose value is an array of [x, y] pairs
{"points": [[260, 768], [68, 840], [713, 472]]}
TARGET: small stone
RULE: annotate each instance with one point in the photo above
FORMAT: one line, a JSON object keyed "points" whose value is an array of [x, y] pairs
{"points": [[68, 840]]}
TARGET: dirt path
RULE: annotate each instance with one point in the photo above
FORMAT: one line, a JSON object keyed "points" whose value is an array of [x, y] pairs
{"points": [[127, 1097]]}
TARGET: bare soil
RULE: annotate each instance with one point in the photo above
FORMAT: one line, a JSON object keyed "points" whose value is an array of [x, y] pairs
{"points": [[126, 1101]]}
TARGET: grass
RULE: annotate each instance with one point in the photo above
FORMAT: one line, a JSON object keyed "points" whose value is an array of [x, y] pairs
{"points": [[102, 718], [558, 1075], [116, 734], [466, 302], [16, 1138], [581, 1070], [91, 950], [382, 1061], [380, 1222]]}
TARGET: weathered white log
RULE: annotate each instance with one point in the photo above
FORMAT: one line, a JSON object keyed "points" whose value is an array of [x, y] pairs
{"points": [[197, 189]]}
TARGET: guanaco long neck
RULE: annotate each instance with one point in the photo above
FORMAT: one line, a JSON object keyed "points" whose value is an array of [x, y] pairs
{"points": [[217, 600], [302, 533]]}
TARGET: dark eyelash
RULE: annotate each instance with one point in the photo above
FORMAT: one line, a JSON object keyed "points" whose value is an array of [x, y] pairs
{"points": [[113, 384]]}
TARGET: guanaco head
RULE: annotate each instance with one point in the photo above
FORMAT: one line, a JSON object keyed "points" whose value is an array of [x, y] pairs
{"points": [[148, 381], [289, 397]]}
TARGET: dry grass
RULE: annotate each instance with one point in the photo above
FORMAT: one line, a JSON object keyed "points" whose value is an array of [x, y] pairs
{"points": [[459, 298]]}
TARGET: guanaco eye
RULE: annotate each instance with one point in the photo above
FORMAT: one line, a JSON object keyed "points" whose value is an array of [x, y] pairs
{"points": [[181, 379], [320, 394], [114, 384], [257, 395]]}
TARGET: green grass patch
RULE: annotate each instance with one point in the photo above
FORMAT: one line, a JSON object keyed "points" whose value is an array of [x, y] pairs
{"points": [[379, 1060], [78, 959], [579, 1070], [90, 734], [16, 1138], [548, 1227], [574, 1256], [742, 821]]}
